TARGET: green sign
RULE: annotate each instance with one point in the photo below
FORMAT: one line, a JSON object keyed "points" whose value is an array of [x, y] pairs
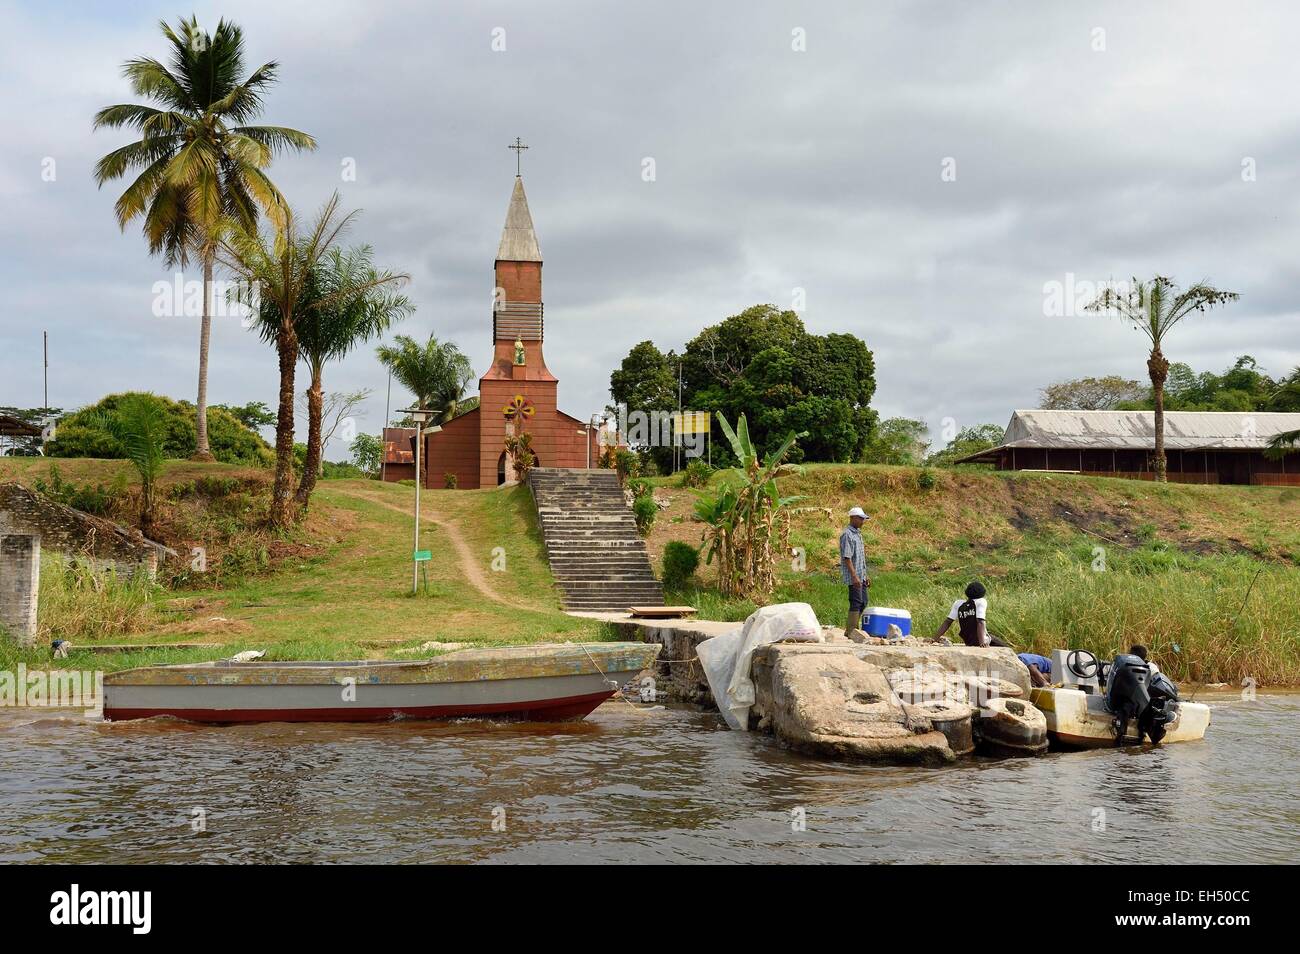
{"points": [[423, 556]]}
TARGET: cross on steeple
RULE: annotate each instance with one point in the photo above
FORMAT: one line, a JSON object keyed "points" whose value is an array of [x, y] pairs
{"points": [[519, 147]]}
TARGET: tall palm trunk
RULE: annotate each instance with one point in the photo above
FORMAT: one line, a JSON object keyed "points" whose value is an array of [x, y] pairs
{"points": [[201, 449], [311, 468], [1158, 368], [286, 346]]}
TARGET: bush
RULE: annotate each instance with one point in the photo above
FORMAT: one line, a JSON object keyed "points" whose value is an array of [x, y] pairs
{"points": [[639, 487], [926, 479], [680, 561], [626, 463], [83, 434], [696, 474], [644, 510], [449, 480], [848, 482]]}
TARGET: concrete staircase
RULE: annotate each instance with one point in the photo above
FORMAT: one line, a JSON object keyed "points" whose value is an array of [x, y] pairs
{"points": [[596, 555]]}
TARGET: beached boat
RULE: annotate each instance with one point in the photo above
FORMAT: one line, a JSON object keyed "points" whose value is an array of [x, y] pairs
{"points": [[1078, 719], [532, 683]]}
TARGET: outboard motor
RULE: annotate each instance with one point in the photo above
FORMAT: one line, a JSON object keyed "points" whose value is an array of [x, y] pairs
{"points": [[1133, 691], [1163, 710], [1127, 696]]}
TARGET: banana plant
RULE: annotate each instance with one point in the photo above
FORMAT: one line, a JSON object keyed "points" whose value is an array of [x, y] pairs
{"points": [[745, 518]]}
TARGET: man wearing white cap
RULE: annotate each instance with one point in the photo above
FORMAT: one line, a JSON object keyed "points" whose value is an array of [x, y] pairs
{"points": [[853, 568]]}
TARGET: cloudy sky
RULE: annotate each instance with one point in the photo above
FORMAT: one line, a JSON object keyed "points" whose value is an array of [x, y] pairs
{"points": [[922, 171]]}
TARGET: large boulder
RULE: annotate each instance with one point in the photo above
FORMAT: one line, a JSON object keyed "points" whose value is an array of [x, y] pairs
{"points": [[836, 705]]}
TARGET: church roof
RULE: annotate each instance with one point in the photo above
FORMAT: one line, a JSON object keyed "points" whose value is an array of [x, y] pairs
{"points": [[518, 240]]}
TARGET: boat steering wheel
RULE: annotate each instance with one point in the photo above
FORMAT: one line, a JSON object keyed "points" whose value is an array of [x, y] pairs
{"points": [[1082, 663]]}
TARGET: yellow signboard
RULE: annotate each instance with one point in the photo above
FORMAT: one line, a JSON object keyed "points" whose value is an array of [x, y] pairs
{"points": [[691, 422]]}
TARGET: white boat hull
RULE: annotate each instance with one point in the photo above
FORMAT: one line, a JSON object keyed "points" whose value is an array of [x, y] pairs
{"points": [[1077, 719]]}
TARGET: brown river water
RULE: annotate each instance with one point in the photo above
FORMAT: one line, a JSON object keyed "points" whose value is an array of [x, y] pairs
{"points": [[644, 785]]}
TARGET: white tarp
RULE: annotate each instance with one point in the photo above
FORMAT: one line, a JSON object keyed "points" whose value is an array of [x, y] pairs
{"points": [[726, 658]]}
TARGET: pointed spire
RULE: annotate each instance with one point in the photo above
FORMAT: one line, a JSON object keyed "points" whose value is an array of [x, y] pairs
{"points": [[518, 240]]}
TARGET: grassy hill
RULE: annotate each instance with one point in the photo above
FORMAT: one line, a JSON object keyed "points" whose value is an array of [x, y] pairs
{"points": [[1068, 561]]}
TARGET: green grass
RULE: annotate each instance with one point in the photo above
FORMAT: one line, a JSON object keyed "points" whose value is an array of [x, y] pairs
{"points": [[350, 598], [1178, 562]]}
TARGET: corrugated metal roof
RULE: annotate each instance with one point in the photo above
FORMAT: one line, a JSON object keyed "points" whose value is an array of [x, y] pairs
{"points": [[1135, 430], [518, 240]]}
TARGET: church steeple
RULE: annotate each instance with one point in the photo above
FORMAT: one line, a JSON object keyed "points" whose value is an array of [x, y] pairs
{"points": [[518, 240]]}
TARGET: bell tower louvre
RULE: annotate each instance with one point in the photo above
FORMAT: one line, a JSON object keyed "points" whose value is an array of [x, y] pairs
{"points": [[517, 390]]}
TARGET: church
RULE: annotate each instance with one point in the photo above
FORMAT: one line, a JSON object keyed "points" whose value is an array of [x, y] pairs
{"points": [[517, 392]]}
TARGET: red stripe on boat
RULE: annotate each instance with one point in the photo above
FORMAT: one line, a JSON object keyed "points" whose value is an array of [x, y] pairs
{"points": [[541, 710]]}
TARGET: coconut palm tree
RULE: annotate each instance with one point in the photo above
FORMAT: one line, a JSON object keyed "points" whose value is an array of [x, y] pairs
{"points": [[277, 272], [198, 159], [348, 302], [435, 373], [1154, 308]]}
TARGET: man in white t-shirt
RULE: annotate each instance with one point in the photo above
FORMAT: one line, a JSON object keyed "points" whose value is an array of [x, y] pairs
{"points": [[969, 615]]}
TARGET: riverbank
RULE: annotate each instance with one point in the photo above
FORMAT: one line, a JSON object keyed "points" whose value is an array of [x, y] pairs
{"points": [[337, 587], [1206, 576]]}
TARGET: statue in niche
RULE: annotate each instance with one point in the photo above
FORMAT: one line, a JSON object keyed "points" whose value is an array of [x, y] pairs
{"points": [[519, 351]]}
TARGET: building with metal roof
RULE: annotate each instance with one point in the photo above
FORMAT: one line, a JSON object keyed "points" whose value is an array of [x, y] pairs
{"points": [[1203, 447]]}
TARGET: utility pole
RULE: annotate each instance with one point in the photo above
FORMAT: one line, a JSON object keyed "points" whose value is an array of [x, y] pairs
{"points": [[45, 335]]}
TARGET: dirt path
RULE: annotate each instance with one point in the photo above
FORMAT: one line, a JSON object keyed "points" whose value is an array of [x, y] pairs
{"points": [[468, 565]]}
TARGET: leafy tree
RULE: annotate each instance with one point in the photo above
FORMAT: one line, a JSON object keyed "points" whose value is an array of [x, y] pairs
{"points": [[1091, 394], [436, 374], [646, 381], [969, 440], [347, 302], [1155, 308], [252, 415], [199, 161], [763, 363], [1286, 397], [367, 452], [897, 440]]}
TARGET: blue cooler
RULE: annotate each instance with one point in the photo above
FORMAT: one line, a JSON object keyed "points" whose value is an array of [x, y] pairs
{"points": [[878, 619]]}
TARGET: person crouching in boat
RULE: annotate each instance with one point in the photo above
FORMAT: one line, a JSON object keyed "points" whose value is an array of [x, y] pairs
{"points": [[1040, 668], [969, 615]]}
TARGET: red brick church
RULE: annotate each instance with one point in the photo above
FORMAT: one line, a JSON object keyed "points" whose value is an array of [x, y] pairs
{"points": [[516, 391]]}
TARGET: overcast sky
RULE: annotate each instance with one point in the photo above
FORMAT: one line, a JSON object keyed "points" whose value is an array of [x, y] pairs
{"points": [[1091, 140]]}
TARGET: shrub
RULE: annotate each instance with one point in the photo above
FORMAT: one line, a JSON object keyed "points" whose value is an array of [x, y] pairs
{"points": [[848, 482], [84, 434], [449, 480], [680, 561], [696, 474], [644, 510], [926, 479], [639, 487], [626, 463]]}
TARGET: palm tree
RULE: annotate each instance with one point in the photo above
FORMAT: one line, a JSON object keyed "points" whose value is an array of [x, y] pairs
{"points": [[348, 302], [1154, 308], [198, 158], [435, 373], [277, 272], [139, 423]]}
